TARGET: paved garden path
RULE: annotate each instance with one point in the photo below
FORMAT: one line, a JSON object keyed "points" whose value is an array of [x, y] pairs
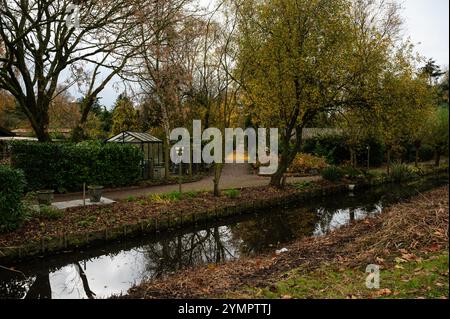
{"points": [[233, 176]]}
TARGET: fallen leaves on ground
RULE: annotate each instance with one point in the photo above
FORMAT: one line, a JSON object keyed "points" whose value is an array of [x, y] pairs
{"points": [[418, 224]]}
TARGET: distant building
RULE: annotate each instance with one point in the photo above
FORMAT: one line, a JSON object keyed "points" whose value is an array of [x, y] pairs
{"points": [[152, 148], [26, 132], [310, 133]]}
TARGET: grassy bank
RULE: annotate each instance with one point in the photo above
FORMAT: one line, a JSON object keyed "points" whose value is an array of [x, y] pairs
{"points": [[415, 277], [409, 241]]}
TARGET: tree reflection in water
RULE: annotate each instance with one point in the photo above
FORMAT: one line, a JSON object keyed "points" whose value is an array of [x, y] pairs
{"points": [[335, 214], [208, 246], [270, 230]]}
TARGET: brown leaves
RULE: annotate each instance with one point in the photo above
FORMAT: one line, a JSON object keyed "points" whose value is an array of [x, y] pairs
{"points": [[361, 244], [383, 292]]}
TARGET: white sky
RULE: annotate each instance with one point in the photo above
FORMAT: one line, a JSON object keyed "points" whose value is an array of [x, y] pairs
{"points": [[426, 23]]}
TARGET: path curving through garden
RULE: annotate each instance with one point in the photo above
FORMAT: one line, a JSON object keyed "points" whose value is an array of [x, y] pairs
{"points": [[233, 176]]}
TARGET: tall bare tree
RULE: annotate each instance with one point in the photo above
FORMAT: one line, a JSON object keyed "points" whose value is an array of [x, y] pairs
{"points": [[39, 45]]}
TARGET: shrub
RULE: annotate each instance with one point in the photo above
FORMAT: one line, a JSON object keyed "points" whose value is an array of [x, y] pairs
{"points": [[166, 198], [332, 174], [66, 166], [304, 163], [426, 153], [191, 194], [232, 193], [48, 212], [351, 172], [173, 196], [131, 199], [331, 147], [303, 185], [377, 152], [12, 182], [335, 149], [402, 173]]}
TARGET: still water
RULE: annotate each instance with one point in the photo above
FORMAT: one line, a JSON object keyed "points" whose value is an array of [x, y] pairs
{"points": [[113, 269]]}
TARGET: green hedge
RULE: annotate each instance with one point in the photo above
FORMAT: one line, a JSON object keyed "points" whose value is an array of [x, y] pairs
{"points": [[65, 166], [12, 187], [332, 174], [336, 150]]}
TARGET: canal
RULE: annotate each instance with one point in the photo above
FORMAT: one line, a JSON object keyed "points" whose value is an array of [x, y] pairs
{"points": [[112, 269]]}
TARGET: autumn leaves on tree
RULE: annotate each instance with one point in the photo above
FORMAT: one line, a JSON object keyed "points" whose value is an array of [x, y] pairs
{"points": [[286, 64]]}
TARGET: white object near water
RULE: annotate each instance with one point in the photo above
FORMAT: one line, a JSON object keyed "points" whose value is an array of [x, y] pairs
{"points": [[281, 251]]}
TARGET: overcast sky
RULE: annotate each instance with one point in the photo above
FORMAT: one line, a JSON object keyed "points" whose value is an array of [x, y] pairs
{"points": [[426, 23]]}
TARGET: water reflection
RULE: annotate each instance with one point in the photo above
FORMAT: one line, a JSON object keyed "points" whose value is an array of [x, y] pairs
{"points": [[113, 270], [213, 245]]}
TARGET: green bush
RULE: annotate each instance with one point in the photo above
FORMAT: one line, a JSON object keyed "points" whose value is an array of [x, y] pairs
{"points": [[232, 193], [426, 153], [336, 150], [351, 172], [191, 194], [305, 163], [332, 174], [66, 166], [331, 147], [49, 213], [377, 152], [303, 185], [402, 173], [13, 185], [174, 196]]}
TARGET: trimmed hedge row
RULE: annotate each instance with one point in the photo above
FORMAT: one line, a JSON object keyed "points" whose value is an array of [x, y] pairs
{"points": [[12, 187], [66, 166]]}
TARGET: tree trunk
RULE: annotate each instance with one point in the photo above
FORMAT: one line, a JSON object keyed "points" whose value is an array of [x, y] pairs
{"points": [[78, 133], [190, 163], [389, 161], [40, 122], [40, 288], [217, 174], [42, 133], [437, 157], [287, 157], [277, 178], [352, 158], [417, 157], [166, 156]]}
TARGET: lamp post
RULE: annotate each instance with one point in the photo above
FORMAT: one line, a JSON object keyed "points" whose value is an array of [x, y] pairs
{"points": [[180, 167], [368, 157]]}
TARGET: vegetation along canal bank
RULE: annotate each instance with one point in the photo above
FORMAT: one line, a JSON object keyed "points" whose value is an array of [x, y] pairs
{"points": [[408, 241], [111, 268], [53, 231]]}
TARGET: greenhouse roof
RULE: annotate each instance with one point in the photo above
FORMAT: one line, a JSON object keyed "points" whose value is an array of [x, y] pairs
{"points": [[134, 137]]}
